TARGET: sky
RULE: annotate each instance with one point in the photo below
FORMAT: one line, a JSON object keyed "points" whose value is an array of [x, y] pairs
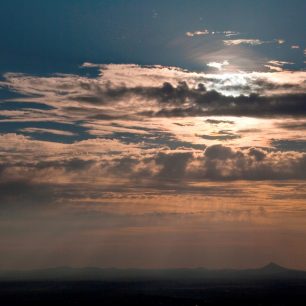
{"points": [[152, 134]]}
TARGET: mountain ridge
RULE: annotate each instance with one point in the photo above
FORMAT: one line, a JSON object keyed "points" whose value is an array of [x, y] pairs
{"points": [[271, 270]]}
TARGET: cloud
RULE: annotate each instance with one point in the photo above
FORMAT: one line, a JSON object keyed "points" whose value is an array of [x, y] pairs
{"points": [[236, 42], [23, 194], [202, 102], [132, 168], [222, 162], [85, 108], [253, 131], [258, 153], [290, 144], [221, 136], [173, 166], [251, 42], [277, 65], [280, 63], [187, 101], [228, 33], [198, 33], [156, 139], [133, 111], [280, 41], [218, 65], [292, 125], [219, 152], [207, 32], [215, 121]]}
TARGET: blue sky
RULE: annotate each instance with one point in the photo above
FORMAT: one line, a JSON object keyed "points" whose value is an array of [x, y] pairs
{"points": [[53, 36]]}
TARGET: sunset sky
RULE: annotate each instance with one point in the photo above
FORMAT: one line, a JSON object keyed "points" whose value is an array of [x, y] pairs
{"points": [[152, 134]]}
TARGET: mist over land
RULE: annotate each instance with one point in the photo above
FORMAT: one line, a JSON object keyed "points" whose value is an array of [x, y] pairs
{"points": [[269, 285]]}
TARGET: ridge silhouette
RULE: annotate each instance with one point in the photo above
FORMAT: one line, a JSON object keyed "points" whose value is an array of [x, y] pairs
{"points": [[273, 267]]}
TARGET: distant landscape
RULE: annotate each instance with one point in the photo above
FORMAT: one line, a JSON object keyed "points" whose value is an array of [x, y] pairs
{"points": [[269, 285], [270, 271]]}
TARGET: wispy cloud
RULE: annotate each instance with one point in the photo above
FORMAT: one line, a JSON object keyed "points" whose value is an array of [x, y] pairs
{"points": [[207, 32], [227, 33], [153, 92], [198, 33], [236, 42], [277, 65], [251, 42]]}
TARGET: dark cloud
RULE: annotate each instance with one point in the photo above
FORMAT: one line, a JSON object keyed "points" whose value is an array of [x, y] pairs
{"points": [[154, 139], [35, 184], [225, 163], [259, 85], [124, 166], [190, 102], [69, 165], [216, 162], [88, 99], [249, 131], [173, 166], [289, 144], [216, 122], [77, 164], [22, 193], [292, 125], [259, 154], [183, 100], [219, 152], [264, 84], [221, 136]]}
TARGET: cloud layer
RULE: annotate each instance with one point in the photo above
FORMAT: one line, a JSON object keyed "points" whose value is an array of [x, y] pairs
{"points": [[148, 153]]}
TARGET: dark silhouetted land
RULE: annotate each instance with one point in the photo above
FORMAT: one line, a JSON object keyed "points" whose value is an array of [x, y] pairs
{"points": [[270, 285]]}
